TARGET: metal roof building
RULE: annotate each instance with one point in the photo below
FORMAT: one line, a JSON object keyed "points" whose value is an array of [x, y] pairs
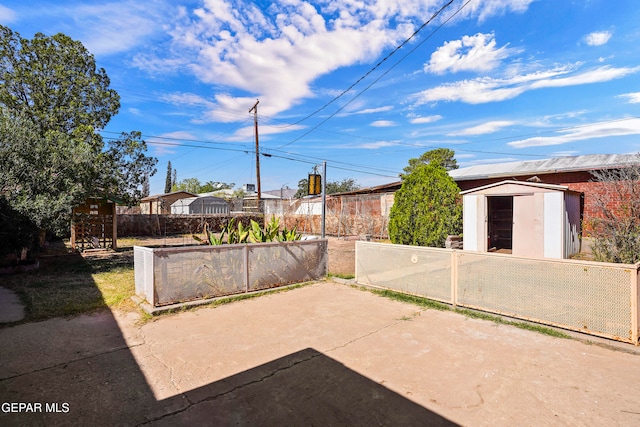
{"points": [[547, 166], [200, 205]]}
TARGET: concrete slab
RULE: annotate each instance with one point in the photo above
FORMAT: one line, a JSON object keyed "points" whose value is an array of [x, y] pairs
{"points": [[11, 309], [324, 354]]}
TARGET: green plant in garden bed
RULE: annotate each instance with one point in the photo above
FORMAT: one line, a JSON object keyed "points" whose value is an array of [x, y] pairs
{"points": [[254, 233]]}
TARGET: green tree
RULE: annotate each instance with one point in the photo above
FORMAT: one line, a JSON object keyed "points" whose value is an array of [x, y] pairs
{"points": [[52, 94], [426, 209], [41, 177], [54, 83], [441, 156], [126, 166], [212, 186], [168, 184], [347, 184], [193, 185]]}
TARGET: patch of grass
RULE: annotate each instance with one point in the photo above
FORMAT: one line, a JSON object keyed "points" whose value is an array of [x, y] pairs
{"points": [[430, 304], [342, 276], [70, 285], [411, 299]]}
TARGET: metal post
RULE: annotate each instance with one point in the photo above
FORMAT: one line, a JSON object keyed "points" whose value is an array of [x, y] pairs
{"points": [[324, 196]]}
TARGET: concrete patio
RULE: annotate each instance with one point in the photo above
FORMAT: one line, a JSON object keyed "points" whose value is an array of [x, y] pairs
{"points": [[323, 354]]}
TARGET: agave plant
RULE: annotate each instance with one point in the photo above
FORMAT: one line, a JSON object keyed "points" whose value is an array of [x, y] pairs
{"points": [[268, 234], [238, 234], [211, 237], [289, 235]]}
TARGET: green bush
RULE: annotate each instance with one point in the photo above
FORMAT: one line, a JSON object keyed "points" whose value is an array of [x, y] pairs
{"points": [[426, 209]]}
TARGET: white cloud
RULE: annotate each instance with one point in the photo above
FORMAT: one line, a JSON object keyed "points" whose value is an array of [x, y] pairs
{"points": [[247, 133], [375, 110], [597, 130], [485, 128], [426, 119], [274, 52], [167, 142], [471, 53], [383, 123], [7, 15], [484, 9], [597, 38], [486, 89], [117, 26], [632, 97]]}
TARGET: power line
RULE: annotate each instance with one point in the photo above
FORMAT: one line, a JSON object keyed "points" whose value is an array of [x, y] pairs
{"points": [[375, 67], [388, 70]]}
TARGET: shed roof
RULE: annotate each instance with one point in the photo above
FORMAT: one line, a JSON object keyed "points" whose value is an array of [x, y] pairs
{"points": [[537, 185], [160, 196], [554, 165]]}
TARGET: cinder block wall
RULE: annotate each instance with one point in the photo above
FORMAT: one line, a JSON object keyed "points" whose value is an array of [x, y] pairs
{"points": [[161, 225]]}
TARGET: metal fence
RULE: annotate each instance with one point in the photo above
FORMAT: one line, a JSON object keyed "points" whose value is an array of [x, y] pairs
{"points": [[171, 275], [347, 215], [596, 298]]}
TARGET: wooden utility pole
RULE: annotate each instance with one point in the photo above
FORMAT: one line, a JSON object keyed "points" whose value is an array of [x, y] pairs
{"points": [[255, 124]]}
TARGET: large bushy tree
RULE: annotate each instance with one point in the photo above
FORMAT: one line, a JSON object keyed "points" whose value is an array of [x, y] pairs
{"points": [[444, 157], [426, 209], [54, 101]]}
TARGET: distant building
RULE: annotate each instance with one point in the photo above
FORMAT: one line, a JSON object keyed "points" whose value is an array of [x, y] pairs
{"points": [[205, 205], [161, 203]]}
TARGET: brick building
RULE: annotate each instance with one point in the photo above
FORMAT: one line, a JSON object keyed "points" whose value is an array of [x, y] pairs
{"points": [[573, 172]]}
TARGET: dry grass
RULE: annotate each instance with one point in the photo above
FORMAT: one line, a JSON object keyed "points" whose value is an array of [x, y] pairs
{"points": [[71, 284]]}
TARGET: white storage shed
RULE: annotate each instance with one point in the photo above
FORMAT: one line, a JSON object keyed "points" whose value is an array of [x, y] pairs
{"points": [[200, 205], [522, 218]]}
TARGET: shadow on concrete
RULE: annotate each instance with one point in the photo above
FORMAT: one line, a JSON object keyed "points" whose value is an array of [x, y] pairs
{"points": [[303, 388], [81, 371]]}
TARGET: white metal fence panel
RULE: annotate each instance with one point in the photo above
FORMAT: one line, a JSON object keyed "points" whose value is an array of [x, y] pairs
{"points": [[411, 269], [575, 295], [290, 262], [596, 298], [143, 271]]}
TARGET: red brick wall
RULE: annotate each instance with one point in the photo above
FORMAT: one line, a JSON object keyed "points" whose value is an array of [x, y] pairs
{"points": [[576, 181]]}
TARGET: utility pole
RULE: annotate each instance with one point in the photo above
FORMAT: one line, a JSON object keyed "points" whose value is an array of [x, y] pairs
{"points": [[255, 124], [324, 196]]}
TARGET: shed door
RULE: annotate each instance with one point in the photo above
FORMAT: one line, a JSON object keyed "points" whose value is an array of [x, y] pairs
{"points": [[500, 223], [528, 225]]}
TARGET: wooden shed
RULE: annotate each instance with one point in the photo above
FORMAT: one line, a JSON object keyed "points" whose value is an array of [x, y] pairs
{"points": [[94, 224], [523, 218]]}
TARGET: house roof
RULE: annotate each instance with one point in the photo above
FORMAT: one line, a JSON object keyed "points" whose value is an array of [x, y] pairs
{"points": [[554, 165], [161, 196], [287, 193], [384, 188], [552, 187]]}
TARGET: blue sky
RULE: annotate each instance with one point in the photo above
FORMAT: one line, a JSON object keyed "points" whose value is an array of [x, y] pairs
{"points": [[494, 80]]}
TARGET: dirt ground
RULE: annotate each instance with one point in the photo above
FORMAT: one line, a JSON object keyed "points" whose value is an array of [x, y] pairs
{"points": [[342, 251]]}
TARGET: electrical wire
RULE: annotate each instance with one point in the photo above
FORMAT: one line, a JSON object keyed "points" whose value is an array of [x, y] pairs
{"points": [[386, 72]]}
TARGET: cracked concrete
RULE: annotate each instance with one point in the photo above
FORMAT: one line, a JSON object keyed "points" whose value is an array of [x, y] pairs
{"points": [[324, 354]]}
